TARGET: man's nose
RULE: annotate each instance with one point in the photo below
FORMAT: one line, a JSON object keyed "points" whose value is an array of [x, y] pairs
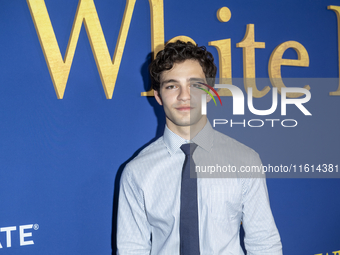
{"points": [[184, 93]]}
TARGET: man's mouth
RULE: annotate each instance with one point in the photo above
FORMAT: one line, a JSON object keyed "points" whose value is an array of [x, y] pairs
{"points": [[184, 108]]}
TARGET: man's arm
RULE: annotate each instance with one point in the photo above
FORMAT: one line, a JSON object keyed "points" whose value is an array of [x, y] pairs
{"points": [[261, 234], [133, 229]]}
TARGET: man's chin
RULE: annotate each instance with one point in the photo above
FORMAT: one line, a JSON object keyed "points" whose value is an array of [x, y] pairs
{"points": [[186, 123]]}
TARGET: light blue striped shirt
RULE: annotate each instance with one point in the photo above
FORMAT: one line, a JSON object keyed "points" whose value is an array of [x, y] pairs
{"points": [[149, 200]]}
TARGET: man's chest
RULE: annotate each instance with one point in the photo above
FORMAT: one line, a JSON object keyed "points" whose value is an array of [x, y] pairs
{"points": [[219, 200]]}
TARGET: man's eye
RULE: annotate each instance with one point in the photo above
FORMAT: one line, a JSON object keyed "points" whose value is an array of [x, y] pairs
{"points": [[197, 85], [170, 87]]}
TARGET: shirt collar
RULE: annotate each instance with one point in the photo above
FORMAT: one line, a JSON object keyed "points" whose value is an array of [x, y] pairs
{"points": [[172, 141], [203, 139]]}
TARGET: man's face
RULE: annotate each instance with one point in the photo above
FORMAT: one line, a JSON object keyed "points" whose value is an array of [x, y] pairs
{"points": [[179, 96]]}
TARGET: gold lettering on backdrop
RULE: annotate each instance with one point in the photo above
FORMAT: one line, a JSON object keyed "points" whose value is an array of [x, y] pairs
{"points": [[157, 25], [108, 69], [276, 61], [224, 55], [336, 9], [59, 68], [157, 31], [223, 14], [248, 44]]}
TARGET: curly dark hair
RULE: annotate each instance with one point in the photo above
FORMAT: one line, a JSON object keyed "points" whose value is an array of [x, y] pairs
{"points": [[178, 52]]}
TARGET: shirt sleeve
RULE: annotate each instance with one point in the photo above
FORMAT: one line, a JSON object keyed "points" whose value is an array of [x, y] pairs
{"points": [[133, 229], [261, 234]]}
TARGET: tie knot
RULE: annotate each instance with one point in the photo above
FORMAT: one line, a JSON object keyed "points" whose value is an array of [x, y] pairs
{"points": [[188, 148]]}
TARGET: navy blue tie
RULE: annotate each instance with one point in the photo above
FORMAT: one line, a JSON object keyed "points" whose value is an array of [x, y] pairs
{"points": [[189, 239]]}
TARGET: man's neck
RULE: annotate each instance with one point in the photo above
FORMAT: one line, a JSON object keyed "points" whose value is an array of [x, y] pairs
{"points": [[187, 132]]}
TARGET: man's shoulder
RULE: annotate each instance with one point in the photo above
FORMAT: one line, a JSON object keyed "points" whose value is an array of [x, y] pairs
{"points": [[146, 156], [227, 151], [222, 141]]}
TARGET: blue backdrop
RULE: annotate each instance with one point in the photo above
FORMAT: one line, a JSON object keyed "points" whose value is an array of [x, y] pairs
{"points": [[61, 159]]}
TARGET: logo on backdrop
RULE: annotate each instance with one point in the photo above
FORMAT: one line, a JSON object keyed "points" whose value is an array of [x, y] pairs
{"points": [[24, 234]]}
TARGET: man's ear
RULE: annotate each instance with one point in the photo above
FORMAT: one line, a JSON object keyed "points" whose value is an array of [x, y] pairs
{"points": [[158, 97], [208, 98]]}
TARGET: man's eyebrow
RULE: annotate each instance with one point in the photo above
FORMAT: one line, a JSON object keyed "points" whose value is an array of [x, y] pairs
{"points": [[197, 79], [169, 81]]}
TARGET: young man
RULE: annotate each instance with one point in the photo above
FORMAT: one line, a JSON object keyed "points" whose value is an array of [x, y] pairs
{"points": [[164, 211]]}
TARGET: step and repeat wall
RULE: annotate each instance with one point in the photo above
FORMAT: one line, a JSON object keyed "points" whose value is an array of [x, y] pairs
{"points": [[76, 106]]}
